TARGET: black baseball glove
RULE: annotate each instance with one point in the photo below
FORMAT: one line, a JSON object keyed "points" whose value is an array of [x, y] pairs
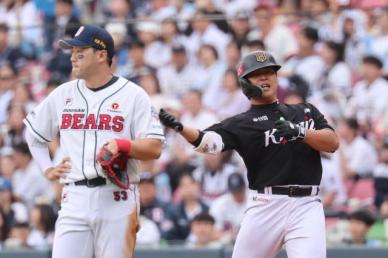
{"points": [[289, 130], [114, 166], [168, 120]]}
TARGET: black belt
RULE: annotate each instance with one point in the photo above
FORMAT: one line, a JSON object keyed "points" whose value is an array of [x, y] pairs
{"points": [[292, 191], [97, 181]]}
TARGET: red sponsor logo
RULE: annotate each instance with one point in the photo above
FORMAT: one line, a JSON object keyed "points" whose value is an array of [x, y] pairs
{"points": [[115, 106], [103, 122]]}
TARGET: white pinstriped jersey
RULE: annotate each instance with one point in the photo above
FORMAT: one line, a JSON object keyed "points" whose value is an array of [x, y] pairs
{"points": [[87, 119]]}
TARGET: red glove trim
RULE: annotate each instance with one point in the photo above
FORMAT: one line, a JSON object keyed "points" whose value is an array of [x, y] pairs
{"points": [[124, 145]]}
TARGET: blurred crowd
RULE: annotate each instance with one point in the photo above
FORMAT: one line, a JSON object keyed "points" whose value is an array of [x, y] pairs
{"points": [[333, 53]]}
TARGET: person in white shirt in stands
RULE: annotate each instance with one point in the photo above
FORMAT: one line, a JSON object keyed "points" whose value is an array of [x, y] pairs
{"points": [[370, 100], [357, 156], [209, 75], [195, 114], [213, 175], [278, 39], [306, 58], [335, 84], [205, 32], [228, 209], [332, 189], [28, 181], [155, 53], [232, 100], [177, 77]]}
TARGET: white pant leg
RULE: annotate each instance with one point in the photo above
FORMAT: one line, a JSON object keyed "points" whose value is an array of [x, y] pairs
{"points": [[306, 236], [73, 235], [262, 229], [116, 223]]}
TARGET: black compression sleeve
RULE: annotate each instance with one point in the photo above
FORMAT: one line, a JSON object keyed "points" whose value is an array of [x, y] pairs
{"points": [[197, 141]]}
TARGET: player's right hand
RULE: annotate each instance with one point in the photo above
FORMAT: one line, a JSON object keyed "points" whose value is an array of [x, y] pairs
{"points": [[170, 121], [59, 171]]}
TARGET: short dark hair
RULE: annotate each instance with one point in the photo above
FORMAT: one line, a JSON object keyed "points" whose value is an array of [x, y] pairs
{"points": [[337, 48], [311, 33], [22, 147], [69, 2], [204, 217], [352, 123], [373, 60], [212, 49], [4, 27], [364, 216]]}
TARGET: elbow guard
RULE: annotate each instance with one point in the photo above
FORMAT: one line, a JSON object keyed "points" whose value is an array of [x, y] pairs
{"points": [[211, 143]]}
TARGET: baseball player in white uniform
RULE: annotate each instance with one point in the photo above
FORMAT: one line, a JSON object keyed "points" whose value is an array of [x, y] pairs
{"points": [[97, 218]]}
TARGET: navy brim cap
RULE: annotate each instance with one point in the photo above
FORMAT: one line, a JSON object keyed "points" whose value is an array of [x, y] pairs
{"points": [[70, 43]]}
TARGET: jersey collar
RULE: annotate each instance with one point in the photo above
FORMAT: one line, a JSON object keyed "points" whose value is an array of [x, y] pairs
{"points": [[271, 106]]}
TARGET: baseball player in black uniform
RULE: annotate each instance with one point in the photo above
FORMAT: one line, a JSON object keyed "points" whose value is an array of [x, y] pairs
{"points": [[280, 145]]}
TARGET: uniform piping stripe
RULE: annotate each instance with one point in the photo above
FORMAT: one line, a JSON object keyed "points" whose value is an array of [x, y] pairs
{"points": [[98, 114], [83, 143], [32, 128], [155, 134]]}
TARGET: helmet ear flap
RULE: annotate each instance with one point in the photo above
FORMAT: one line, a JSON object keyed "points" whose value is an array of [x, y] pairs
{"points": [[250, 90]]}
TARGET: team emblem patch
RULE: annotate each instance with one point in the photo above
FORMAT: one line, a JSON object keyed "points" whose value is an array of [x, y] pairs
{"points": [[79, 31], [68, 101], [261, 57], [115, 106]]}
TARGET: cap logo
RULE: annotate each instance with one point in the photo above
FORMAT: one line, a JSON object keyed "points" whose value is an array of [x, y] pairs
{"points": [[100, 43], [261, 57], [79, 31]]}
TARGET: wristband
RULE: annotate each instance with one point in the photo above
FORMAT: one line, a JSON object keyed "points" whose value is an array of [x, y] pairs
{"points": [[123, 145]]}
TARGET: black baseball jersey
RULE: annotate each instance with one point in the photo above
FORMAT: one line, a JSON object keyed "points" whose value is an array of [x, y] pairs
{"points": [[269, 158]]}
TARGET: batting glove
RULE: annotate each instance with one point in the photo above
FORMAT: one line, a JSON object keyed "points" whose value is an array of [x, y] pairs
{"points": [[168, 120], [289, 130]]}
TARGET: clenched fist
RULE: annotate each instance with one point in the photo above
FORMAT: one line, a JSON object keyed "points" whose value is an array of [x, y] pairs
{"points": [[168, 120]]}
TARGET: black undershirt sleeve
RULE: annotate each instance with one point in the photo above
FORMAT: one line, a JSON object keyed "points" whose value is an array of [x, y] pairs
{"points": [[197, 141]]}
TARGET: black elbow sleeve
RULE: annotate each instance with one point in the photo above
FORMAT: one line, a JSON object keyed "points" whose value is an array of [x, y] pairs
{"points": [[197, 141]]}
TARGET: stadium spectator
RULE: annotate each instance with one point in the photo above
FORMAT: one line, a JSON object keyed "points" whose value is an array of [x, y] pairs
{"points": [[228, 209], [231, 99], [209, 76], [369, 100], [151, 206], [43, 219], [359, 224], [380, 174], [213, 175], [305, 58], [177, 77], [137, 64], [233, 54], [205, 32], [353, 150], [156, 54], [8, 76], [149, 234], [278, 39], [203, 232], [187, 208], [9, 55], [28, 181]]}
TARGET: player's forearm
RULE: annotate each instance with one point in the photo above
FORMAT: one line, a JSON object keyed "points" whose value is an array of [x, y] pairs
{"points": [[190, 134], [146, 149], [322, 140]]}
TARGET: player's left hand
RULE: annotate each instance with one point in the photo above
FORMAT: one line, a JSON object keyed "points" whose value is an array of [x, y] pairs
{"points": [[112, 146], [289, 130]]}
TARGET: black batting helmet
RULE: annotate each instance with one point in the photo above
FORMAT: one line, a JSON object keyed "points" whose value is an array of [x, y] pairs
{"points": [[250, 63]]}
